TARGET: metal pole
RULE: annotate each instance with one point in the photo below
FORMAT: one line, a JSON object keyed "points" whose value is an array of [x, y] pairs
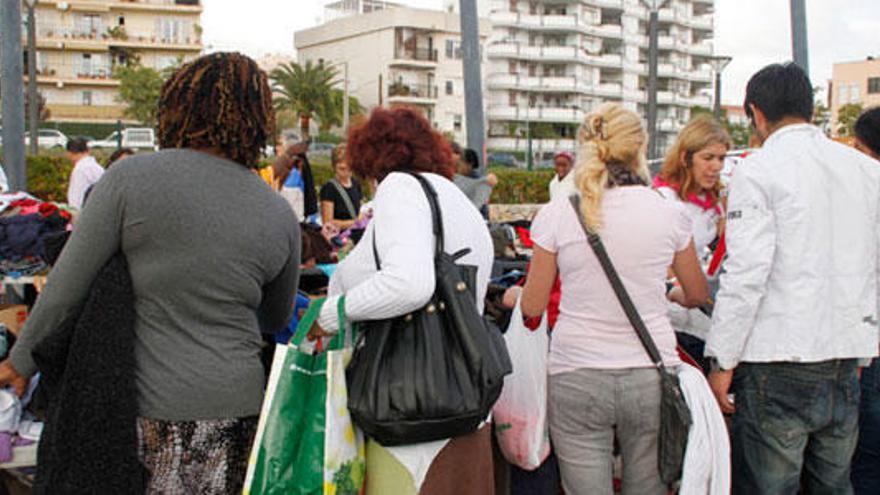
{"points": [[717, 109], [12, 91], [33, 99], [799, 42], [118, 134], [653, 55], [473, 81], [345, 109], [529, 154]]}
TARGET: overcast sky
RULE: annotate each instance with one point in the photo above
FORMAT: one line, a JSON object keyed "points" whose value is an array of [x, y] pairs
{"points": [[753, 32]]}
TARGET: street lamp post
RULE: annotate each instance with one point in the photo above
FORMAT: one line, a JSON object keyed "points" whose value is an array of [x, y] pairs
{"points": [[719, 63], [799, 44], [529, 154], [12, 94], [473, 81], [345, 103], [33, 103], [653, 56]]}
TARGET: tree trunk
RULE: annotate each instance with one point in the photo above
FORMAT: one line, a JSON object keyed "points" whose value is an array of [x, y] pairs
{"points": [[304, 125]]}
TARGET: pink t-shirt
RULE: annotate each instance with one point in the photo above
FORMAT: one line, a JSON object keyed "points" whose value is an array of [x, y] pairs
{"points": [[642, 232]]}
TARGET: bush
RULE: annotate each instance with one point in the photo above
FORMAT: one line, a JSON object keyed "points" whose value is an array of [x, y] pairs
{"points": [[517, 186], [47, 177]]}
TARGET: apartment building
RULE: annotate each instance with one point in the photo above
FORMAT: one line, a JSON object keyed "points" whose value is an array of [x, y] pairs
{"points": [[551, 61], [80, 42], [395, 56], [854, 83]]}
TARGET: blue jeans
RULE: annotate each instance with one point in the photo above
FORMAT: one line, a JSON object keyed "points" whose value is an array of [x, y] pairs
{"points": [[866, 463], [795, 427]]}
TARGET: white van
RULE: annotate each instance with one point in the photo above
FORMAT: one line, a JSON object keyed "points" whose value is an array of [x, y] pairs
{"points": [[133, 137]]}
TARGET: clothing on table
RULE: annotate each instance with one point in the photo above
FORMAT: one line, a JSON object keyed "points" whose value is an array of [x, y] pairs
{"points": [[802, 267], [795, 427], [642, 232], [562, 188], [706, 469], [330, 192], [4, 182], [588, 409], [196, 456], [866, 462], [86, 173], [212, 263], [404, 239]]}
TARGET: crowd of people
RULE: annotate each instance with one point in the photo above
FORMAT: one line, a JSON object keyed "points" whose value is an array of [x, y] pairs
{"points": [[214, 249]]}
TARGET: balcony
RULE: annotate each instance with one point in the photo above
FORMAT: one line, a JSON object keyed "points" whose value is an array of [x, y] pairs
{"points": [[536, 22], [64, 37], [703, 22], [550, 84], [177, 6], [611, 90], [402, 92], [86, 113], [417, 58], [704, 48], [605, 30], [536, 114], [538, 145], [608, 4]]}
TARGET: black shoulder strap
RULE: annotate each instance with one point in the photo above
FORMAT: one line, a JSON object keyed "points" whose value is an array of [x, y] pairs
{"points": [[436, 219], [343, 194], [628, 307]]}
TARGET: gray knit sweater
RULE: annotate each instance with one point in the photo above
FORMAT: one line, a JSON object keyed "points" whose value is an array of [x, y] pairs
{"points": [[214, 256]]}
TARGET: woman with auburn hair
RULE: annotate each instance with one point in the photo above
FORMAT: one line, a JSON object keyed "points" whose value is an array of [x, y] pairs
{"points": [[691, 175], [602, 383], [389, 146], [213, 255]]}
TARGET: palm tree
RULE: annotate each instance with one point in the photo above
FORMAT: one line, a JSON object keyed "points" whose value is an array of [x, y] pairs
{"points": [[330, 113], [303, 89]]}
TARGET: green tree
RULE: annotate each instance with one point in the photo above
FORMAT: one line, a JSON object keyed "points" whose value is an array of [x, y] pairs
{"points": [[330, 112], [303, 89], [139, 89], [846, 119]]}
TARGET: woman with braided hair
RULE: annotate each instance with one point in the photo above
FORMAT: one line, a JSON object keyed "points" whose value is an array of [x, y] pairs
{"points": [[213, 255], [602, 383]]}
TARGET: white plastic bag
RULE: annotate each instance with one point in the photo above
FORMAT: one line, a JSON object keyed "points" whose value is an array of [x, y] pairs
{"points": [[520, 415]]}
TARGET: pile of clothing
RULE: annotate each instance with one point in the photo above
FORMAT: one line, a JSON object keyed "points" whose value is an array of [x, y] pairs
{"points": [[25, 224]]}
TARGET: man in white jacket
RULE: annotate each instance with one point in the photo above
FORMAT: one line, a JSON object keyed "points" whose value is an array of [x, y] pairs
{"points": [[797, 310], [86, 172]]}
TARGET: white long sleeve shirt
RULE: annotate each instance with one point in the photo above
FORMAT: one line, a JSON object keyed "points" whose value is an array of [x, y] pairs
{"points": [[564, 187], [86, 173], [803, 232]]}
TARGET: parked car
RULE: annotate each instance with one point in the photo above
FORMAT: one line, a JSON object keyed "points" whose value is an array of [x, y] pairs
{"points": [[503, 160], [47, 138], [321, 148], [133, 137]]}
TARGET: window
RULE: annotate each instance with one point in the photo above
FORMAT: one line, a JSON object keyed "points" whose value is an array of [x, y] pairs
{"points": [[873, 85], [453, 49], [854, 93], [450, 88], [87, 98], [456, 122], [450, 48], [844, 94]]}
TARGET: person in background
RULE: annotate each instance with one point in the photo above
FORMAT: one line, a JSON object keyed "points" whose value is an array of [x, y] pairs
{"points": [[797, 307], [476, 187], [118, 155], [562, 184], [341, 196], [86, 172], [691, 175], [866, 462], [867, 130], [602, 383], [213, 257], [386, 147]]}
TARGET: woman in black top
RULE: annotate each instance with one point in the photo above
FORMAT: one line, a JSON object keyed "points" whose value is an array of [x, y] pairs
{"points": [[341, 197]]}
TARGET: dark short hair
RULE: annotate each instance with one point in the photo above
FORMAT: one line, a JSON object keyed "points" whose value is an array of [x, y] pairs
{"points": [[118, 154], [867, 129], [220, 101], [78, 145], [471, 158], [399, 139], [456, 148], [779, 91]]}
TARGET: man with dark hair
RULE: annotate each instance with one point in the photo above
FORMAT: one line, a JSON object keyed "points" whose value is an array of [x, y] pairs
{"points": [[796, 314], [86, 172], [868, 133]]}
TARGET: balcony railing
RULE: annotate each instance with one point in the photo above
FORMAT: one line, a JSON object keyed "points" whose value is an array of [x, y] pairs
{"points": [[415, 91], [112, 35], [415, 54]]}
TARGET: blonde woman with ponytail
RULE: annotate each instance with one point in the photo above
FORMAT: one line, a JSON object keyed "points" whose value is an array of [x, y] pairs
{"points": [[601, 382]]}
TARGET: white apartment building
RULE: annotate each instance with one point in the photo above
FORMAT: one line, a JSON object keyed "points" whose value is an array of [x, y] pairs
{"points": [[396, 56], [551, 61]]}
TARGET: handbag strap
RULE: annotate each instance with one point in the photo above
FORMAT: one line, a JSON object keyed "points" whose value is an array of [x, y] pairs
{"points": [[345, 197], [436, 219], [622, 295]]}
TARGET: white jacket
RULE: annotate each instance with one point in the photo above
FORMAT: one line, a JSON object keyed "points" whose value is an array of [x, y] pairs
{"points": [[802, 240], [706, 469]]}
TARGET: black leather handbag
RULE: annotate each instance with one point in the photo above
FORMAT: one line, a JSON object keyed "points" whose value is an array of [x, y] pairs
{"points": [[675, 415], [434, 373]]}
